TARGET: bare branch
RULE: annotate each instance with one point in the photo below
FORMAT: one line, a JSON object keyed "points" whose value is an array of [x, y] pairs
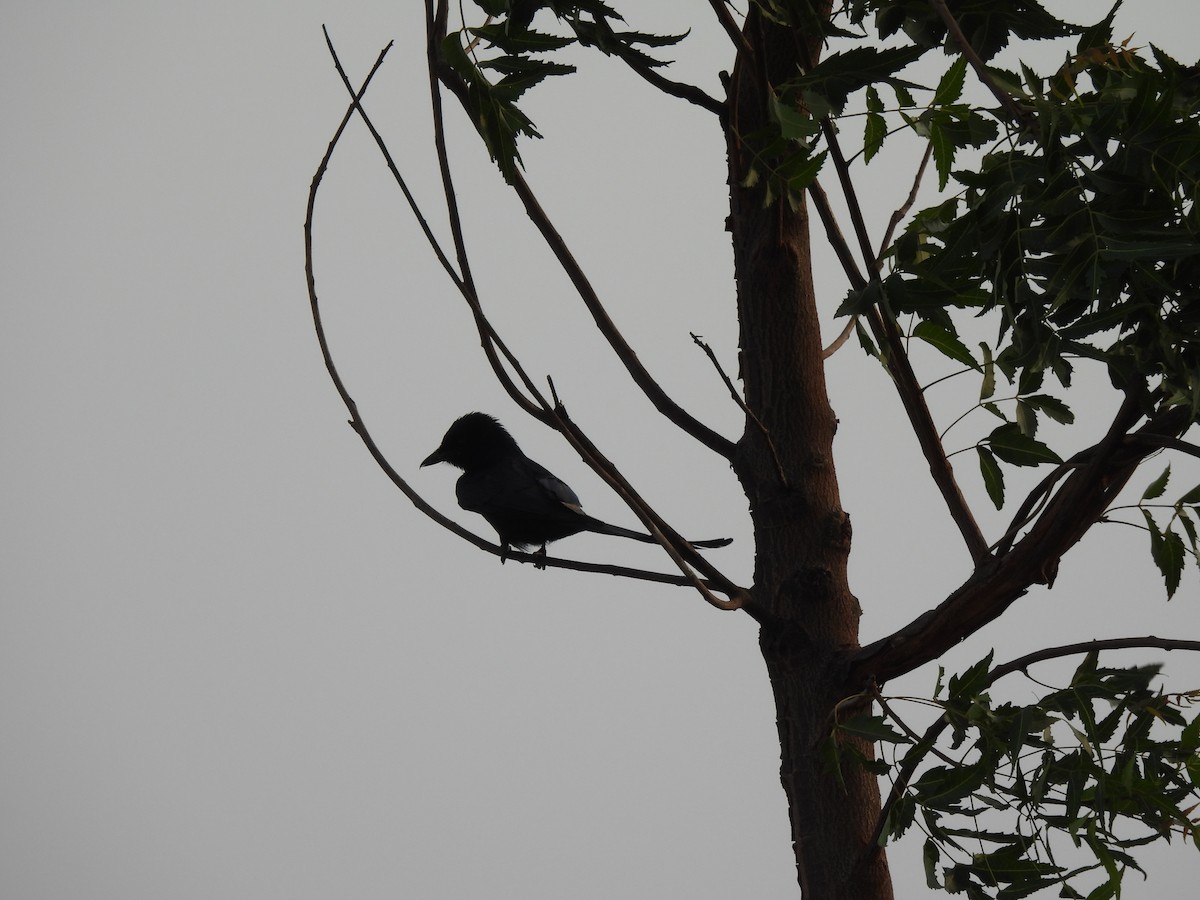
{"points": [[896, 359], [681, 552], [642, 378], [899, 214], [740, 401], [688, 92], [721, 9], [837, 240], [844, 335], [1167, 443]]}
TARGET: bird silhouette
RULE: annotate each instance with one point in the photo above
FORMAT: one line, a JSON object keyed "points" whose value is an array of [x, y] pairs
{"points": [[527, 505]]}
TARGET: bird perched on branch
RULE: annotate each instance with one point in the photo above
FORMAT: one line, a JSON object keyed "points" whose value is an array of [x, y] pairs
{"points": [[525, 503]]}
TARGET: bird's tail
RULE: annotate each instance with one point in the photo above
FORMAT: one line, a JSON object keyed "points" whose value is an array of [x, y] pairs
{"points": [[604, 528]]}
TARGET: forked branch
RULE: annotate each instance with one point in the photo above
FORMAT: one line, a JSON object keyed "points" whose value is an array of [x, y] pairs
{"points": [[1083, 497], [895, 355]]}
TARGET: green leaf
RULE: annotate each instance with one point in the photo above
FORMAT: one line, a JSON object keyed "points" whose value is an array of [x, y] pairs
{"points": [[876, 127], [1051, 406], [839, 75], [943, 153], [1158, 486], [946, 342], [802, 173], [1167, 551], [520, 40], [988, 387], [973, 679], [794, 124], [930, 855], [950, 87], [1010, 445], [1192, 496], [993, 477], [1026, 419]]}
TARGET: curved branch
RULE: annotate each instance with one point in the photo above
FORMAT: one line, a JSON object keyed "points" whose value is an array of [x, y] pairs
{"points": [[1020, 664], [681, 552], [902, 210]]}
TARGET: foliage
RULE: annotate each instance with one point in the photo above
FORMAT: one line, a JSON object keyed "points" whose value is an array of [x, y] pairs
{"points": [[1107, 761]]}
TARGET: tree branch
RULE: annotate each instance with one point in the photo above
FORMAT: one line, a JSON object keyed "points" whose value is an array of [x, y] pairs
{"points": [[902, 211], [896, 360], [1167, 443], [741, 402], [721, 10], [1078, 504], [688, 92]]}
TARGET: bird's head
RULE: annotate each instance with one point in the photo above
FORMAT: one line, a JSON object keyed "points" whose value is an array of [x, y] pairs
{"points": [[474, 440]]}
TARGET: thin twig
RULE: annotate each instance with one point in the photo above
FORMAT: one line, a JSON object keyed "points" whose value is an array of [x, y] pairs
{"points": [[688, 92], [721, 9], [899, 214], [740, 401], [836, 344], [833, 233]]}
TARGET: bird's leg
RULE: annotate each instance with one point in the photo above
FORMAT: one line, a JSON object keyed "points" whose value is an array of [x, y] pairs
{"points": [[504, 551], [539, 558]]}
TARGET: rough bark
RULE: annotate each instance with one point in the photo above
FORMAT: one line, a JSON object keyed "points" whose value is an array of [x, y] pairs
{"points": [[801, 595]]}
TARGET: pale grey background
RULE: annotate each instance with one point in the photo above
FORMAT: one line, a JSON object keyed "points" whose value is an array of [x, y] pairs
{"points": [[234, 662]]}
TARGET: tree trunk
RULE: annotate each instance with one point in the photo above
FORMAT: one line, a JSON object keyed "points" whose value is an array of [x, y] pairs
{"points": [[801, 597]]}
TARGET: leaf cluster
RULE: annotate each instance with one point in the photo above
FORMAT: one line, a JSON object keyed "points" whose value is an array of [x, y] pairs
{"points": [[1107, 762], [1084, 236], [1079, 232], [987, 26], [1177, 536], [495, 84]]}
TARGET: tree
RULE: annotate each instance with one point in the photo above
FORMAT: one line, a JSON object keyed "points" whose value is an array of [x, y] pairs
{"points": [[1065, 246]]}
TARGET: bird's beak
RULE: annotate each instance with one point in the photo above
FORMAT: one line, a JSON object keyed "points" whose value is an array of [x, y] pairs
{"points": [[434, 457]]}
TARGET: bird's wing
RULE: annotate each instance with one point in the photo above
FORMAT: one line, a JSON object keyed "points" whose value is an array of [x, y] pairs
{"points": [[555, 487], [517, 484]]}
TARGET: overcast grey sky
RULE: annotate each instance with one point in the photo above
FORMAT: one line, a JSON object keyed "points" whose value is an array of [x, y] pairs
{"points": [[234, 662]]}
